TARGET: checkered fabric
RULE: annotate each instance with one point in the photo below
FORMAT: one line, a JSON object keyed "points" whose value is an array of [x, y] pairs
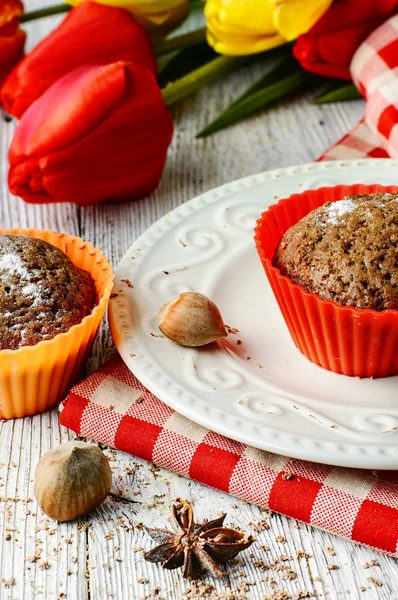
{"points": [[112, 407], [374, 70]]}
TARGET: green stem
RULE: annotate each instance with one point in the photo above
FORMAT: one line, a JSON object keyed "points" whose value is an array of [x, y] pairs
{"points": [[215, 69], [180, 41], [45, 12]]}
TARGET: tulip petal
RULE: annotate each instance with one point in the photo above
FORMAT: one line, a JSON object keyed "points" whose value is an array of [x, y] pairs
{"points": [[327, 49], [294, 17], [326, 70], [51, 125], [242, 46], [121, 157], [90, 34], [254, 16], [12, 38], [10, 10], [236, 27], [335, 48], [348, 13], [158, 17], [11, 51]]}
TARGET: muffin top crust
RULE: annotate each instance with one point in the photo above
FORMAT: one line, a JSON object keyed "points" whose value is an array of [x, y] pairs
{"points": [[346, 251], [42, 293]]}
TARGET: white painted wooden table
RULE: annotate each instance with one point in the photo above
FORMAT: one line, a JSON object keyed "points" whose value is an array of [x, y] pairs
{"points": [[101, 556]]}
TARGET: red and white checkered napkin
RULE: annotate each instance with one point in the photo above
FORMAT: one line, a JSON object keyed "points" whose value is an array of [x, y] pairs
{"points": [[374, 70], [113, 407]]}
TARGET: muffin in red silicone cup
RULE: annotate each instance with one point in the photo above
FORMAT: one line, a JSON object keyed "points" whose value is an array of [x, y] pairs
{"points": [[339, 336]]}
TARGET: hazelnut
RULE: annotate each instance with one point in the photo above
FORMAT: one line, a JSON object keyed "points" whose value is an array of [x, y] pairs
{"points": [[71, 480], [191, 320]]}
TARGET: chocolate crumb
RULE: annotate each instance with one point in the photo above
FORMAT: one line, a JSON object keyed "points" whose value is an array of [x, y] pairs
{"points": [[128, 283], [332, 567], [259, 525], [281, 539], [330, 551], [371, 563], [231, 329], [262, 565], [375, 581], [277, 595], [288, 573], [303, 554], [287, 476], [8, 582]]}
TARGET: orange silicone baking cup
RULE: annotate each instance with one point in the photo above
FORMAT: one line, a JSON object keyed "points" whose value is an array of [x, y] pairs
{"points": [[35, 378], [343, 339]]}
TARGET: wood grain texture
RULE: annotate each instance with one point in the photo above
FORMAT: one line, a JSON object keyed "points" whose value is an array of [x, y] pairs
{"points": [[101, 556]]}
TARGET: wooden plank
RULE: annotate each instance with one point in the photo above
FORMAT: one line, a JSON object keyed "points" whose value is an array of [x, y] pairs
{"points": [[46, 560], [106, 546]]}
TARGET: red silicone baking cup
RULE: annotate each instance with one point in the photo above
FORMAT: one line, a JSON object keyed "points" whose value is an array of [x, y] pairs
{"points": [[343, 339]]}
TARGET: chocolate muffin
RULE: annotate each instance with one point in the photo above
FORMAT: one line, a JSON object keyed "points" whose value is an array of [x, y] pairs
{"points": [[42, 293], [346, 251]]}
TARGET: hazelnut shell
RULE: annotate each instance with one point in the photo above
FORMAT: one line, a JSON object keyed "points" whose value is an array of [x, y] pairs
{"points": [[192, 320], [71, 480]]}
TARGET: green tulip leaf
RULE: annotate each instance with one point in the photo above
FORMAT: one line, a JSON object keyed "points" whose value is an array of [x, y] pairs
{"points": [[337, 92], [212, 71], [285, 78], [186, 40], [186, 61]]}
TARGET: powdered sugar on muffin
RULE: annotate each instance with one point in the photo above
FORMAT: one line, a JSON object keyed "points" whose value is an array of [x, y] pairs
{"points": [[346, 251]]}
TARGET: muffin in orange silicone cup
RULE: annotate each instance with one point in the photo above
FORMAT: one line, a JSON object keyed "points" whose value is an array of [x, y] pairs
{"points": [[35, 378], [343, 339]]}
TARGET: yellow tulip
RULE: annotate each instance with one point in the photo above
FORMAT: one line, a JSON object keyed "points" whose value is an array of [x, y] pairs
{"points": [[158, 17], [237, 27]]}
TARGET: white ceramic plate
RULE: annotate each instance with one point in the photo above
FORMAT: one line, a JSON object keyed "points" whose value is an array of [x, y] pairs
{"points": [[261, 391]]}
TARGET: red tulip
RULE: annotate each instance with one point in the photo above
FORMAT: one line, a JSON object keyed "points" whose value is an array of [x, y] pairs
{"points": [[327, 49], [12, 38], [91, 34], [99, 133]]}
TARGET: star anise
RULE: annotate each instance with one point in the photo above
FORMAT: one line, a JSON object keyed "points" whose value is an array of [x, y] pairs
{"points": [[195, 547]]}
